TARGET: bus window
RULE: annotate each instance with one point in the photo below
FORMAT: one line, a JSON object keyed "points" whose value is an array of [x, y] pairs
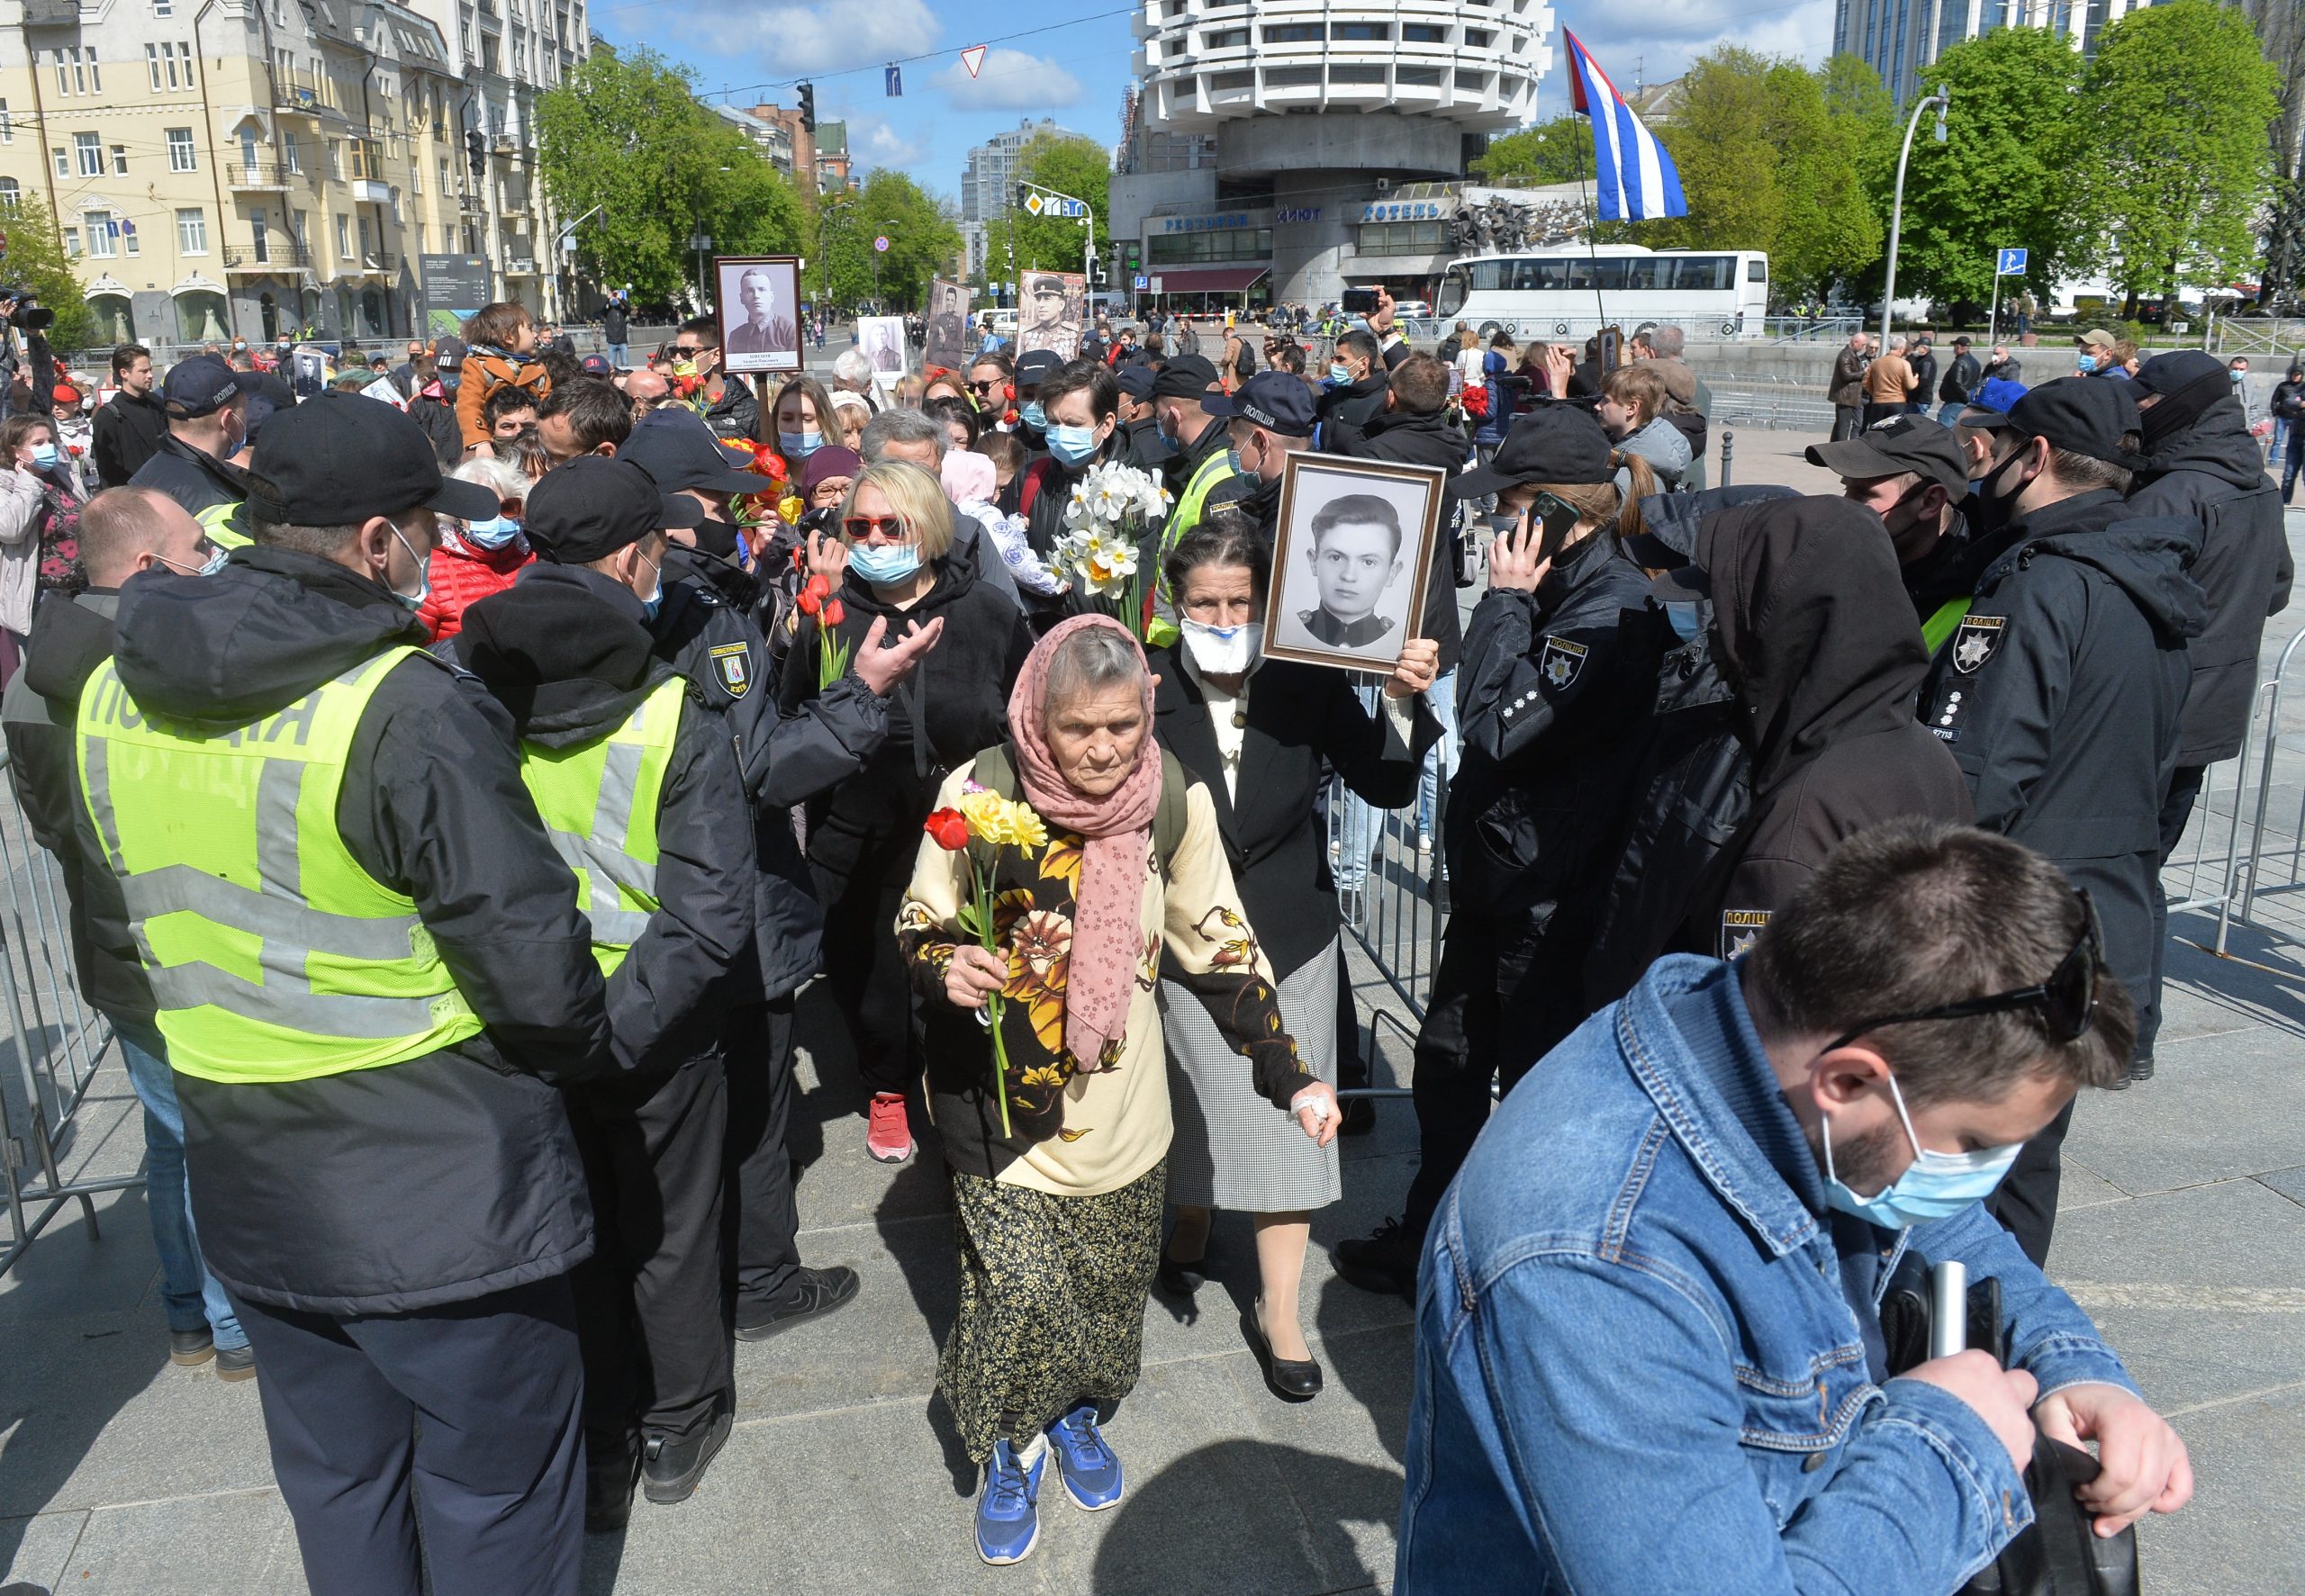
{"points": [[1540, 275], [1757, 270], [1454, 287], [1489, 275], [1640, 272]]}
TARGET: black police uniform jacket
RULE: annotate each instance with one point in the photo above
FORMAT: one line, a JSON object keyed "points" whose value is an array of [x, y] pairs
{"points": [[788, 757], [1552, 693], [455, 1175], [1304, 722], [2060, 696], [568, 652], [194, 479], [2213, 473]]}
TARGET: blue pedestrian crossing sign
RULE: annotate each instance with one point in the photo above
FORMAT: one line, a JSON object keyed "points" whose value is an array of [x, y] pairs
{"points": [[2010, 263]]}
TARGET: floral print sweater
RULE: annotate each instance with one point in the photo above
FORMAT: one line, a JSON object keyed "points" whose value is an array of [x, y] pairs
{"points": [[1083, 1134]]}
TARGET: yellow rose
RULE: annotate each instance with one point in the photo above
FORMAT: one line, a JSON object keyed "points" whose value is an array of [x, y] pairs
{"points": [[985, 813], [791, 510], [1024, 826]]}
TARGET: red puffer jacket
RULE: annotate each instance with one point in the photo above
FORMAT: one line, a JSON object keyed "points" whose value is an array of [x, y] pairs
{"points": [[461, 574]]}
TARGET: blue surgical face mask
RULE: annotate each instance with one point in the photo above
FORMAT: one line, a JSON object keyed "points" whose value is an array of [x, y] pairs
{"points": [[1032, 415], [655, 600], [2238, 376], [885, 565], [799, 445], [1338, 371], [1072, 445], [494, 533], [1683, 619], [423, 573], [44, 455], [1937, 1186]]}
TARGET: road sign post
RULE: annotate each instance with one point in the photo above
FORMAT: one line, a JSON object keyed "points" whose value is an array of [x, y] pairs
{"points": [[2006, 263]]}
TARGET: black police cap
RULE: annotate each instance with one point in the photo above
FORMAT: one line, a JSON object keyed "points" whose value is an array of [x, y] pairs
{"points": [[589, 508]]}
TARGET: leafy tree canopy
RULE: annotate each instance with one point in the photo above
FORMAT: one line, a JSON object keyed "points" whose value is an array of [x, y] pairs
{"points": [[35, 259]]}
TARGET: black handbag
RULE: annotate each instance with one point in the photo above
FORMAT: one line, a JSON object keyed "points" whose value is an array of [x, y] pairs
{"points": [[2059, 1553]]}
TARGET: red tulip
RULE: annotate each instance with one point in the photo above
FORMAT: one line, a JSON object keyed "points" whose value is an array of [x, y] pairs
{"points": [[809, 602], [833, 613], [950, 830], [819, 584]]}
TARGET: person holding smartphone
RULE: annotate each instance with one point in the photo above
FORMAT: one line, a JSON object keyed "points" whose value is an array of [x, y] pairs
{"points": [[1553, 691]]}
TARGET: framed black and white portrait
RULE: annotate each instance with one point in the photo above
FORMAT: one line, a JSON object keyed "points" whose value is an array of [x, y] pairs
{"points": [[948, 324], [1050, 307], [1350, 559], [759, 303], [882, 338]]}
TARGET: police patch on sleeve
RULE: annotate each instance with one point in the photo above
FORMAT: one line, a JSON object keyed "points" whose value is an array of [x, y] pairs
{"points": [[1739, 928], [732, 663], [1975, 640], [1560, 661]]}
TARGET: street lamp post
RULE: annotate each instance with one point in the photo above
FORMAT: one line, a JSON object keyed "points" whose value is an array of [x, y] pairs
{"points": [[1941, 99], [701, 242]]}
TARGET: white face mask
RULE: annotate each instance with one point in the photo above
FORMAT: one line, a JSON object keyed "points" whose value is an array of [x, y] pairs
{"points": [[1223, 651]]}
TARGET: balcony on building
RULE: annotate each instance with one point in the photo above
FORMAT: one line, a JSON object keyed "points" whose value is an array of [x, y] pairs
{"points": [[255, 177], [376, 262], [471, 204], [272, 257], [367, 191], [51, 13], [505, 144], [292, 98]]}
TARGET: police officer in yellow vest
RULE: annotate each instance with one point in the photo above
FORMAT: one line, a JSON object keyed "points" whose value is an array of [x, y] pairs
{"points": [[207, 403], [637, 778], [373, 976]]}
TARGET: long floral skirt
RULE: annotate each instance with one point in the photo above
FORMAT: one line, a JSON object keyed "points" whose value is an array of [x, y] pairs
{"points": [[1053, 1293]]}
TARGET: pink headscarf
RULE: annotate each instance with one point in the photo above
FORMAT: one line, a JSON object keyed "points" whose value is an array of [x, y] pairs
{"points": [[1117, 831]]}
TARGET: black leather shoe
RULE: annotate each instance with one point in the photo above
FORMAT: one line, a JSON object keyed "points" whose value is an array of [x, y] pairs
{"points": [[1289, 1380], [1180, 1280], [1384, 1262], [670, 1471], [1360, 1117], [609, 1483], [235, 1363], [2142, 1070], [810, 1295], [189, 1348]]}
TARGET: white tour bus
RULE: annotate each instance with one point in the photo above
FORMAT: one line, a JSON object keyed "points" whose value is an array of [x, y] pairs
{"points": [[1551, 293]]}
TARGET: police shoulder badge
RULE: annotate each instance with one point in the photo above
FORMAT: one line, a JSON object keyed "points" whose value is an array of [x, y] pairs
{"points": [[1739, 928], [1974, 641], [733, 663], [1560, 661]]}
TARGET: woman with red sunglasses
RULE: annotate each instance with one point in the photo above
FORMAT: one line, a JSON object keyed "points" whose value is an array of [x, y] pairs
{"points": [[892, 555]]}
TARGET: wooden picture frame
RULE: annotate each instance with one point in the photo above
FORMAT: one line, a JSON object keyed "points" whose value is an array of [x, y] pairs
{"points": [[746, 346], [1321, 615]]}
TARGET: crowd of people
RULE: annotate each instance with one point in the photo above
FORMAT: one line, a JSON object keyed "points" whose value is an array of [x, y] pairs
{"points": [[457, 786]]}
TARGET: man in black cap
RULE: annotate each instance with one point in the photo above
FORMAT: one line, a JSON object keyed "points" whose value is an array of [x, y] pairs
{"points": [[1143, 447], [2202, 464], [207, 406], [2060, 690], [1268, 420], [715, 642], [1913, 473], [638, 780], [373, 981], [1196, 436], [1034, 368], [1560, 668]]}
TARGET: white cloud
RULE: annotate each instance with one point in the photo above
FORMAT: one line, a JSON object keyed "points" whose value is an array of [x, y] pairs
{"points": [[788, 38], [874, 143], [1011, 80], [1666, 42]]}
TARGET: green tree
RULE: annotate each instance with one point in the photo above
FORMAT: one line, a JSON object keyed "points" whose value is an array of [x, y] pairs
{"points": [[1994, 183], [2168, 192], [923, 238], [35, 259], [626, 132], [1767, 163], [1556, 151], [1069, 166]]}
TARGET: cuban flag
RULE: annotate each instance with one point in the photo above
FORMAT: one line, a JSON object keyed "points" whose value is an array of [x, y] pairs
{"points": [[1635, 175]]}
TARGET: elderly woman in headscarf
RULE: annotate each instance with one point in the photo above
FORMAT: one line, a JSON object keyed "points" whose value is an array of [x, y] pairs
{"points": [[1056, 1123]]}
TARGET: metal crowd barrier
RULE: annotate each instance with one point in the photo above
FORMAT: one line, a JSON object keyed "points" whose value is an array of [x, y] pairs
{"points": [[1394, 905], [53, 1042], [2246, 882]]}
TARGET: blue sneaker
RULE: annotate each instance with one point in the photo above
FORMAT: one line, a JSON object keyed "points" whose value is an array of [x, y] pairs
{"points": [[1090, 1471], [1008, 1520]]}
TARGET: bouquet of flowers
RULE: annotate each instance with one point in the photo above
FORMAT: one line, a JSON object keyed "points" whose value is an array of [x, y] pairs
{"points": [[1112, 507], [817, 602], [984, 824]]}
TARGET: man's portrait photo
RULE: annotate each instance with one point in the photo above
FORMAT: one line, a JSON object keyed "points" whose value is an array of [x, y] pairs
{"points": [[882, 338], [759, 298], [1050, 313], [948, 324], [1351, 560]]}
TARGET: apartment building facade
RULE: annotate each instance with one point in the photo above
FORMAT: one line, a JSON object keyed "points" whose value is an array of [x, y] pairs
{"points": [[260, 168]]}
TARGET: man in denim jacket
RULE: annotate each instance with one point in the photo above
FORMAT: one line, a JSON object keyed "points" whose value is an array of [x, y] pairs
{"points": [[1648, 1344]]}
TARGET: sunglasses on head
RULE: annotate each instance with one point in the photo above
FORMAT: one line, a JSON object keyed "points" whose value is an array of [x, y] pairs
{"points": [[863, 526], [2066, 1001]]}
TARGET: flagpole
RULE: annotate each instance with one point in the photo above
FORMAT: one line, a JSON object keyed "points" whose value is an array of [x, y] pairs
{"points": [[1592, 222]]}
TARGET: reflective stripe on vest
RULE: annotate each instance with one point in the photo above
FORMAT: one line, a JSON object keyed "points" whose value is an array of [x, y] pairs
{"points": [[599, 800], [1944, 623], [222, 522], [1191, 501], [273, 955]]}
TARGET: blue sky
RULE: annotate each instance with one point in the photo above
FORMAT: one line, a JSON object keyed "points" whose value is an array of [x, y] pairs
{"points": [[1076, 73]]}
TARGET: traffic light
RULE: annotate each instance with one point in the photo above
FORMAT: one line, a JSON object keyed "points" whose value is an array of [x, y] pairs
{"points": [[475, 151], [808, 107], [1095, 270]]}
